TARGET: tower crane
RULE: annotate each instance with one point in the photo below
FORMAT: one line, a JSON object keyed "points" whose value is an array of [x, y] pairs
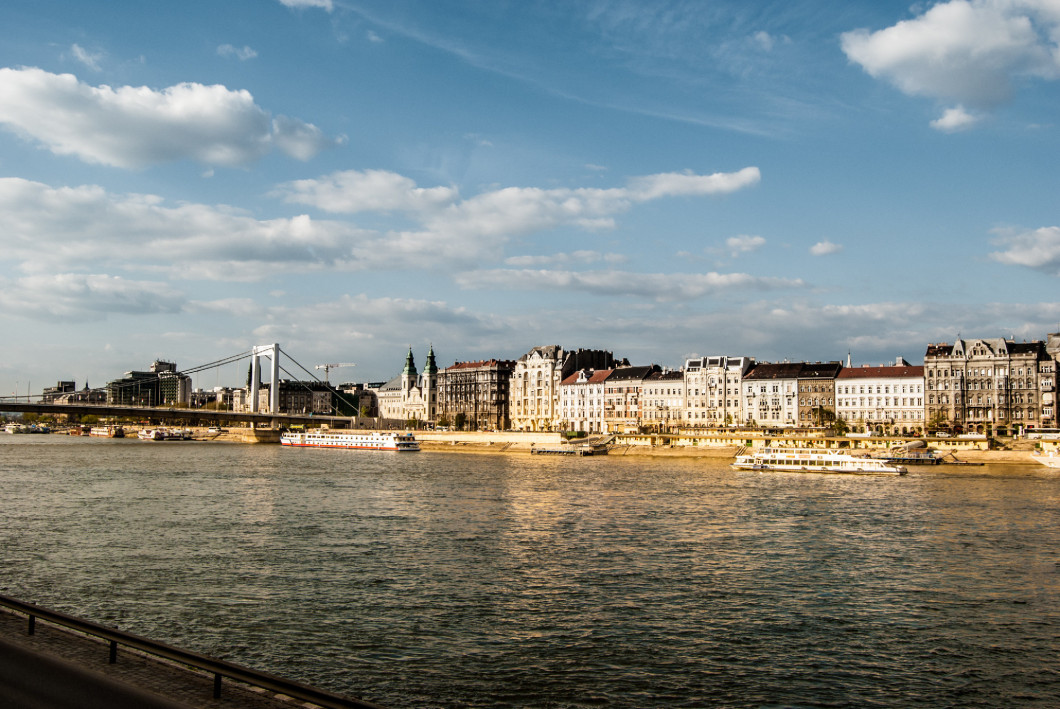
{"points": [[328, 367]]}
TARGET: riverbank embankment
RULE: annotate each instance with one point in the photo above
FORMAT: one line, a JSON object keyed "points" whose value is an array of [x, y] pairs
{"points": [[717, 446]]}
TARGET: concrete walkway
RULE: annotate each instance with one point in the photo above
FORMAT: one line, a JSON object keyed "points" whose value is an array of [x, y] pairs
{"points": [[59, 669]]}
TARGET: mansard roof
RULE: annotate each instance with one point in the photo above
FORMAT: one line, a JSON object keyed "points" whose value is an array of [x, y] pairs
{"points": [[595, 376], [887, 372], [676, 375], [997, 346], [392, 385], [544, 352], [820, 370], [778, 370], [632, 373]]}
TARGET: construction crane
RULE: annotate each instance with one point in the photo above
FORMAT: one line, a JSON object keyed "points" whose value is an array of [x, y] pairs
{"points": [[328, 367]]}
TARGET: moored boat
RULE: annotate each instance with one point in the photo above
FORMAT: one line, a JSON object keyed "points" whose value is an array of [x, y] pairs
{"points": [[808, 460], [107, 431], [1049, 460], [371, 440]]}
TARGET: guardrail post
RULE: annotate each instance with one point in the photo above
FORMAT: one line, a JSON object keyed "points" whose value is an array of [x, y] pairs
{"points": [[32, 625], [216, 686], [113, 651]]}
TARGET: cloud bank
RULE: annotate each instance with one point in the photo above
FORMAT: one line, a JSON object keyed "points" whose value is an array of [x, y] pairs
{"points": [[972, 53], [134, 127]]}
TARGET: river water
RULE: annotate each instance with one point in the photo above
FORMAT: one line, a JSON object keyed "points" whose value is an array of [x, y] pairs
{"points": [[449, 580]]}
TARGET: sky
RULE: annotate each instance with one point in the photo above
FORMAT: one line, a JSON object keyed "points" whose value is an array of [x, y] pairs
{"points": [[782, 180]]}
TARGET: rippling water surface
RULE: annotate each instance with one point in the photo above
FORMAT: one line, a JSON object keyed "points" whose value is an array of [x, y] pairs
{"points": [[448, 580]]}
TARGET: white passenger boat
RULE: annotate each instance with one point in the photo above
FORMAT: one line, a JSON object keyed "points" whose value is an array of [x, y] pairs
{"points": [[372, 440], [808, 460], [107, 431], [1050, 459]]}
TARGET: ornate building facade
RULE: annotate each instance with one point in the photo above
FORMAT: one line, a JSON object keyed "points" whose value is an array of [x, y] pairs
{"points": [[713, 385], [476, 394], [536, 378], [990, 385], [411, 395]]}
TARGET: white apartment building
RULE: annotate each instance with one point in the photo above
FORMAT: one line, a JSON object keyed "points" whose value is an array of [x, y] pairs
{"points": [[713, 389], [663, 400], [886, 399], [770, 394], [581, 397]]}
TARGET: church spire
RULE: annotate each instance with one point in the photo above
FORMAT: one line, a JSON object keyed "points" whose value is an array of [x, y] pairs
{"points": [[431, 367], [410, 364]]}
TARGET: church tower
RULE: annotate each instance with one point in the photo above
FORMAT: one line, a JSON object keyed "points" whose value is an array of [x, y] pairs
{"points": [[408, 378], [430, 386]]}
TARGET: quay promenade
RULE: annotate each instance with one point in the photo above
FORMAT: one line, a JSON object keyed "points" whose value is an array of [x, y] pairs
{"points": [[57, 668]]}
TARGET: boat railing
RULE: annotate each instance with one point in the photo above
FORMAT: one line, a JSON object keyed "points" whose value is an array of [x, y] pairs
{"points": [[219, 668]]}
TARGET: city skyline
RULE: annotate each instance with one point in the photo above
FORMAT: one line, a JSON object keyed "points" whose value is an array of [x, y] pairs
{"points": [[781, 181]]}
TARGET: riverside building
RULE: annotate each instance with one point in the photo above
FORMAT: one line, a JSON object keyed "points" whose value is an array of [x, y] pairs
{"points": [[623, 390], [161, 385], [476, 394], [536, 379], [582, 400], [664, 401], [991, 385], [712, 385], [817, 392], [884, 399]]}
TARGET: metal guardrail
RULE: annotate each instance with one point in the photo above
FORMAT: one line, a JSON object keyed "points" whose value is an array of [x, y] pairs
{"points": [[219, 668]]}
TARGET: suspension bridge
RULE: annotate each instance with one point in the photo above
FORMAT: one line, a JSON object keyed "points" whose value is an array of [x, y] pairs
{"points": [[257, 411]]}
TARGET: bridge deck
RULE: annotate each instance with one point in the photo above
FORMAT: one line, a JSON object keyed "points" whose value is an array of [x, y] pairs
{"points": [[58, 668]]}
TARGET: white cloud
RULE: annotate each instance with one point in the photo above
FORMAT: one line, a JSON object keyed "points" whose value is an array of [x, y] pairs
{"points": [[75, 296], [971, 52], [673, 184], [137, 126], [374, 38], [462, 230], [1038, 249], [352, 191], [657, 286], [227, 50], [300, 4], [824, 248], [744, 244], [581, 256], [954, 119], [89, 59], [763, 40], [43, 228]]}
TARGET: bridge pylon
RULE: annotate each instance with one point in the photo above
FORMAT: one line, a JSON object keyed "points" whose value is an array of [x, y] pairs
{"points": [[273, 353]]}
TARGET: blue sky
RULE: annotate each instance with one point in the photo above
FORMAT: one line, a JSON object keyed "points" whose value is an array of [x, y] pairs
{"points": [[669, 179]]}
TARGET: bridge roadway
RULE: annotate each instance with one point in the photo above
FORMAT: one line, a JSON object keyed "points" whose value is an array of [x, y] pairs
{"points": [[190, 416], [58, 668]]}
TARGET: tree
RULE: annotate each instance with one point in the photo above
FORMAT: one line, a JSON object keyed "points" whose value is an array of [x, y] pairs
{"points": [[461, 419], [443, 421], [839, 426]]}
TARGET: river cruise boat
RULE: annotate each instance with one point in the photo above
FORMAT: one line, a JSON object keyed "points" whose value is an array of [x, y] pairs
{"points": [[107, 431], [1050, 459], [371, 440], [806, 460]]}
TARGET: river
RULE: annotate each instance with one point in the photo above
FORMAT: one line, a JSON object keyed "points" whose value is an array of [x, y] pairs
{"points": [[453, 580]]}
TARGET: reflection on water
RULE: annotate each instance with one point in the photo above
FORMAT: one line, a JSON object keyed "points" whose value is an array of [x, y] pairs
{"points": [[456, 580]]}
